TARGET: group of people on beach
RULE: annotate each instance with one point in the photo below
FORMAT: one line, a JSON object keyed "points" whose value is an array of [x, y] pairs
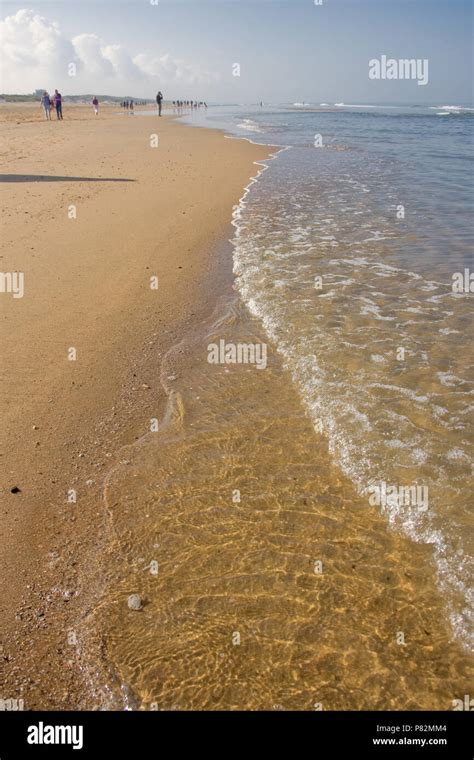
{"points": [[189, 104], [55, 102], [177, 104]]}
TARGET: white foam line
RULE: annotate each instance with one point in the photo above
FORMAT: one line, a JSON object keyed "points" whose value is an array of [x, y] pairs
{"points": [[447, 567], [447, 579], [240, 206]]}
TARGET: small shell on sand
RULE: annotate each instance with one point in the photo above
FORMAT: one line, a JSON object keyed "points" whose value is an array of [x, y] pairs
{"points": [[134, 602]]}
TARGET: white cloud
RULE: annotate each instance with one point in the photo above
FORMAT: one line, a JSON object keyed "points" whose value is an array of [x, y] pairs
{"points": [[172, 69], [123, 65], [35, 53], [88, 48], [33, 49]]}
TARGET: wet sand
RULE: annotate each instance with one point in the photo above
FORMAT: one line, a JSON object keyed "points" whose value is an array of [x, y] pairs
{"points": [[266, 582], [139, 212]]}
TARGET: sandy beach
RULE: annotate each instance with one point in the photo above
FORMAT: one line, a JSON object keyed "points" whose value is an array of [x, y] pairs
{"points": [[236, 376], [91, 212], [295, 592]]}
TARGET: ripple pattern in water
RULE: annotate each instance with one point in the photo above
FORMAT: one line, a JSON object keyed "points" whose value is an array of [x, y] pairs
{"points": [[360, 305], [267, 582]]}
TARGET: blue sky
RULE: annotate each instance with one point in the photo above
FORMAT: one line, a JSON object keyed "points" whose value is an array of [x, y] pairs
{"points": [[287, 50]]}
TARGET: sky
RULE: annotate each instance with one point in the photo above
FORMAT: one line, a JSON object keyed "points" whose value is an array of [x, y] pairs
{"points": [[286, 50]]}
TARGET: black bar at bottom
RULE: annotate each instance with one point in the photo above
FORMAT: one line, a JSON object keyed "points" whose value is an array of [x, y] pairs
{"points": [[314, 734]]}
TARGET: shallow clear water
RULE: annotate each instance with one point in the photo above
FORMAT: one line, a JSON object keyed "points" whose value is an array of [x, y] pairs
{"points": [[267, 583], [369, 382], [380, 346]]}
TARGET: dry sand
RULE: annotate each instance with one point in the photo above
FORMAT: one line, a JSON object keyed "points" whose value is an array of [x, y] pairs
{"points": [[140, 211]]}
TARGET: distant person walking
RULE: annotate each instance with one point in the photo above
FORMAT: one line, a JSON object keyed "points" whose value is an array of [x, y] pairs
{"points": [[159, 100], [46, 103], [58, 102], [131, 106], [95, 104]]}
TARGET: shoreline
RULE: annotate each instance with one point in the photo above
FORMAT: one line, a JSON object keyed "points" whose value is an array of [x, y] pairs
{"points": [[49, 555], [380, 582], [219, 562]]}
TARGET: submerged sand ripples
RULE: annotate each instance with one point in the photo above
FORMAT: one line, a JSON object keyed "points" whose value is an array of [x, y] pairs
{"points": [[277, 586]]}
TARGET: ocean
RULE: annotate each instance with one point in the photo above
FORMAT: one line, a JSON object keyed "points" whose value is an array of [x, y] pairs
{"points": [[382, 214], [308, 512]]}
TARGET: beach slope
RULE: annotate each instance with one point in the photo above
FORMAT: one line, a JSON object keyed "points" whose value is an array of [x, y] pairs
{"points": [[114, 222]]}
